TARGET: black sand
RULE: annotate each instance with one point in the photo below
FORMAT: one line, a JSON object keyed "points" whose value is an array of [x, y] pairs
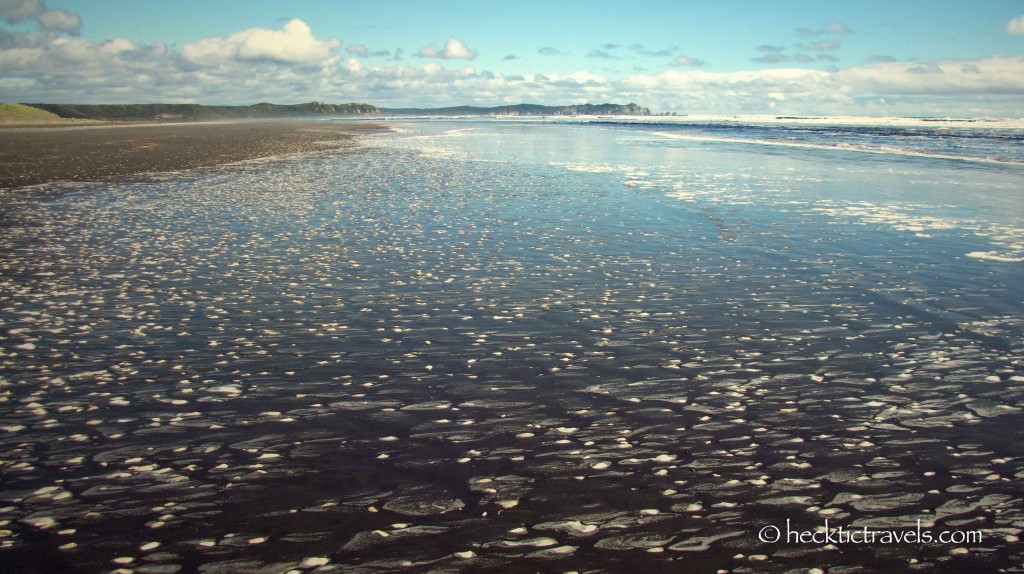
{"points": [[34, 155]]}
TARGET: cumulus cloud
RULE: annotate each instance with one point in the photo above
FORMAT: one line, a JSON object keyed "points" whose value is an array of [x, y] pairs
{"points": [[454, 49], [241, 68], [292, 44], [549, 51], [833, 27], [688, 62], [642, 51], [777, 54], [995, 75], [930, 68], [783, 80], [17, 11], [355, 67], [770, 57], [60, 21], [117, 46], [602, 54], [821, 46], [946, 87], [1016, 26], [772, 54], [357, 50]]}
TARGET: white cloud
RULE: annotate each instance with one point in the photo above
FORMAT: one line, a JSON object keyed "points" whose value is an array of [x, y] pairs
{"points": [[356, 50], [821, 46], [117, 46], [836, 27], [454, 49], [355, 67], [945, 87], [74, 50], [290, 65], [1016, 26], [833, 27], [59, 21], [743, 84], [995, 75], [582, 77], [292, 44], [17, 11], [688, 62]]}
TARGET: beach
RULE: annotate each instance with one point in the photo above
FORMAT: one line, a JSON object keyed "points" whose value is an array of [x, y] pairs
{"points": [[31, 155], [488, 345]]}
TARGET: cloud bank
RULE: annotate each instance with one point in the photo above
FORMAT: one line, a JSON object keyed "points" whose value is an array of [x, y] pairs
{"points": [[291, 64], [59, 21]]}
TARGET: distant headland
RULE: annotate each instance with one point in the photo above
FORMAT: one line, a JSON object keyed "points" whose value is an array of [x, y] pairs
{"points": [[524, 110], [197, 112]]}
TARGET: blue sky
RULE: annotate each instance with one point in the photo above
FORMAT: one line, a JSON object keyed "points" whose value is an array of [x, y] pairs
{"points": [[725, 57]]}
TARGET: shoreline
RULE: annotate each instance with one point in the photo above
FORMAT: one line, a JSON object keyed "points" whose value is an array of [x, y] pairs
{"points": [[49, 153]]}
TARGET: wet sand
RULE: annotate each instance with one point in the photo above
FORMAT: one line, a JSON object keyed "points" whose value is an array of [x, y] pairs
{"points": [[515, 349], [34, 155]]}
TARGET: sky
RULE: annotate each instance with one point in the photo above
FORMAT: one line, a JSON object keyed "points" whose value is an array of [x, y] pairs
{"points": [[823, 57]]}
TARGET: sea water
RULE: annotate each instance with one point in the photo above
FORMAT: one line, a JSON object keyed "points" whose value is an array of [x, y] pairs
{"points": [[531, 345]]}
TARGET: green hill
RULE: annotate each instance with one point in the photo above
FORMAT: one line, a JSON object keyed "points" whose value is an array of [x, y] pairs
{"points": [[190, 112], [12, 113]]}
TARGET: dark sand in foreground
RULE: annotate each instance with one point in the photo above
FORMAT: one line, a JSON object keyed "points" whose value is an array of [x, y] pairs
{"points": [[33, 155]]}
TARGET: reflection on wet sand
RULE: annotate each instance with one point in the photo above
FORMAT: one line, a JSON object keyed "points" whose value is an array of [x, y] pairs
{"points": [[404, 360]]}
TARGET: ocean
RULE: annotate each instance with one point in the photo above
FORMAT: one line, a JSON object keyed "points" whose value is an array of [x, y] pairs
{"points": [[526, 345]]}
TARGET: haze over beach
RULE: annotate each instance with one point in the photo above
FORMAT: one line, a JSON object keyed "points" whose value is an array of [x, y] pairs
{"points": [[511, 287]]}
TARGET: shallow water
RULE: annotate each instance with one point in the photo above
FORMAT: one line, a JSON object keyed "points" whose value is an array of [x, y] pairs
{"points": [[480, 345]]}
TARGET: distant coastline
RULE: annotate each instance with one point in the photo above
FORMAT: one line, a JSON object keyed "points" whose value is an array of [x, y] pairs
{"points": [[198, 112], [524, 110]]}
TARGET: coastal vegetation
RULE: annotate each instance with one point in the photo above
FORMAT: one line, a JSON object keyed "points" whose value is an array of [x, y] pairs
{"points": [[20, 113], [192, 112]]}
